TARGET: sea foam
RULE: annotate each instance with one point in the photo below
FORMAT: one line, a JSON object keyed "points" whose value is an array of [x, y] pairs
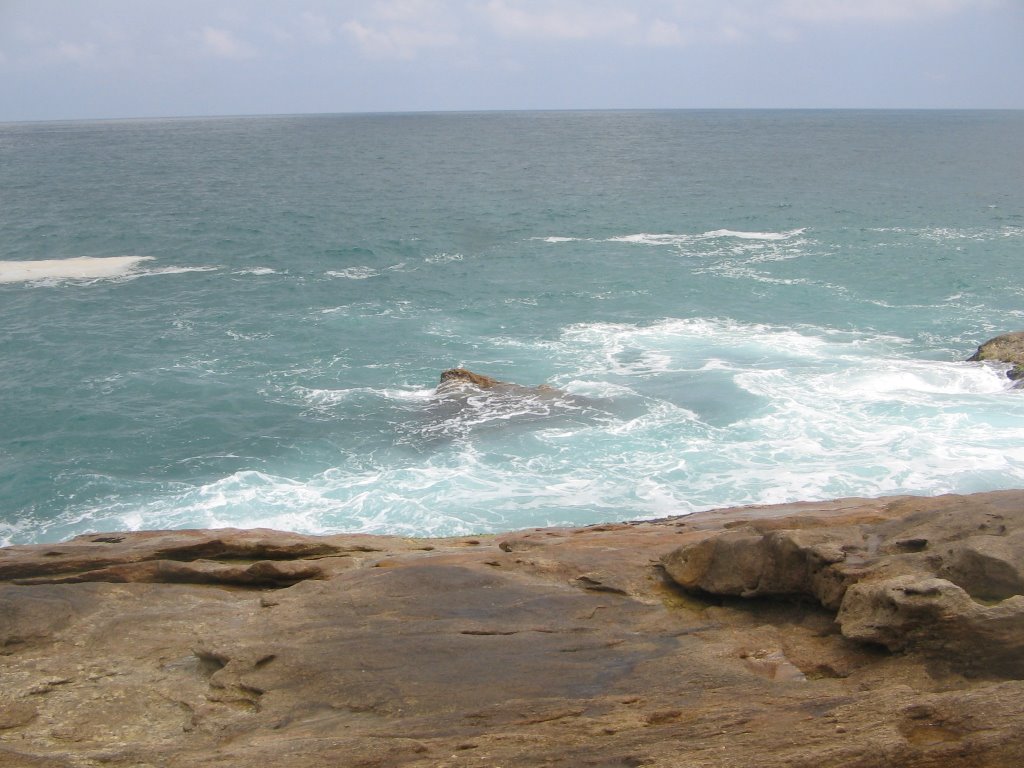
{"points": [[678, 239], [78, 268]]}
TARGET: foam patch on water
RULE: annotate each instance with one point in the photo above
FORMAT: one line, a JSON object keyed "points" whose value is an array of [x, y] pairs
{"points": [[78, 268], [354, 273], [754, 235], [680, 239], [168, 271], [322, 398], [444, 258], [675, 345]]}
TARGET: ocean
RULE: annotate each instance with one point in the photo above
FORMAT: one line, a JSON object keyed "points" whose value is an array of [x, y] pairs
{"points": [[242, 321]]}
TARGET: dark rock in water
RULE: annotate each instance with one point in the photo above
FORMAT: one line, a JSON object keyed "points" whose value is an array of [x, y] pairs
{"points": [[229, 649], [467, 403], [1008, 348], [455, 379]]}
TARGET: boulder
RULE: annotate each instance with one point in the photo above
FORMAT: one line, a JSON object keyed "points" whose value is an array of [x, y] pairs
{"points": [[940, 619], [1008, 348], [942, 578]]}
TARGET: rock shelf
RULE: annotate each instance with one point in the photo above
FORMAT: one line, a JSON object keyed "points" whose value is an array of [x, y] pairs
{"points": [[856, 632]]}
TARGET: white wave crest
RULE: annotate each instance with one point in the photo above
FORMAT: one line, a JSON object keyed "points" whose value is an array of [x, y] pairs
{"points": [[754, 235], [354, 273], [443, 258], [168, 271], [678, 239], [675, 345], [78, 268], [644, 238], [326, 398]]}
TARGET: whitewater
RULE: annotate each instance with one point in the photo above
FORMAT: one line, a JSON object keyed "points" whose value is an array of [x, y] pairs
{"points": [[242, 321]]}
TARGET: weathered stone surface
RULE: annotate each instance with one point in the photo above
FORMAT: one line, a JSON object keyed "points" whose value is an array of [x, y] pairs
{"points": [[1008, 348], [537, 648], [458, 379], [256, 556], [921, 579], [939, 618], [459, 376]]}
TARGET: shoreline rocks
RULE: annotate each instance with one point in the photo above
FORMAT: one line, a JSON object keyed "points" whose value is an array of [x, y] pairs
{"points": [[855, 632], [947, 580], [1007, 348]]}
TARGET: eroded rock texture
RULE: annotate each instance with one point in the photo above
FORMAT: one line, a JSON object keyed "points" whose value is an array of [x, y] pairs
{"points": [[832, 634], [456, 380], [1008, 348], [943, 577]]}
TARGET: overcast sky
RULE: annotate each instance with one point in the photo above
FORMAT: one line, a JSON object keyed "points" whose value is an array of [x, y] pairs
{"points": [[135, 58]]}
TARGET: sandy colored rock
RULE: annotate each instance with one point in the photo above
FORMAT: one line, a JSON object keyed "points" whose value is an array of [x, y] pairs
{"points": [[1008, 348], [459, 379], [563, 647], [940, 576]]}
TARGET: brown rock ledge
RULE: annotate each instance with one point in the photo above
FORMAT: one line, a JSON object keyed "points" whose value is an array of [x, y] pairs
{"points": [[847, 633]]}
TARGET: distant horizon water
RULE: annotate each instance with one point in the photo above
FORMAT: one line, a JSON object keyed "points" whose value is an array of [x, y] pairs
{"points": [[240, 321], [495, 111]]}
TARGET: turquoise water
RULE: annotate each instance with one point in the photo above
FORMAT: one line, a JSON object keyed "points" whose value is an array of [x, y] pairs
{"points": [[739, 307]]}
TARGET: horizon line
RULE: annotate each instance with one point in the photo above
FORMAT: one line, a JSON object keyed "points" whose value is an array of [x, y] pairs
{"points": [[413, 112]]}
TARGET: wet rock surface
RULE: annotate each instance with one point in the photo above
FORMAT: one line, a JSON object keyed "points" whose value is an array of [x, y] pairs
{"points": [[846, 633], [462, 381], [1008, 348]]}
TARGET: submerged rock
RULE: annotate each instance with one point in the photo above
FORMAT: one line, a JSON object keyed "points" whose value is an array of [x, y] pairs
{"points": [[1008, 348], [459, 379], [536, 648]]}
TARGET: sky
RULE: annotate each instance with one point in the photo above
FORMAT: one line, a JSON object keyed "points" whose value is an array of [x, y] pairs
{"points": [[88, 59]]}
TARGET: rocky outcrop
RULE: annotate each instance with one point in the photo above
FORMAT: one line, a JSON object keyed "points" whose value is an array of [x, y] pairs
{"points": [[1008, 348], [461, 376], [946, 580], [459, 379], [827, 634]]}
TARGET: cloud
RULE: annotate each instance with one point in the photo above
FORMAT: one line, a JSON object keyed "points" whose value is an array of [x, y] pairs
{"points": [[680, 22], [315, 28], [392, 42], [664, 33], [398, 42], [222, 44], [409, 11], [559, 21], [401, 29], [78, 53], [887, 11]]}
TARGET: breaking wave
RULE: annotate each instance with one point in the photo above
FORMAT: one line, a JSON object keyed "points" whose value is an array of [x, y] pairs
{"points": [[645, 238], [78, 268]]}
